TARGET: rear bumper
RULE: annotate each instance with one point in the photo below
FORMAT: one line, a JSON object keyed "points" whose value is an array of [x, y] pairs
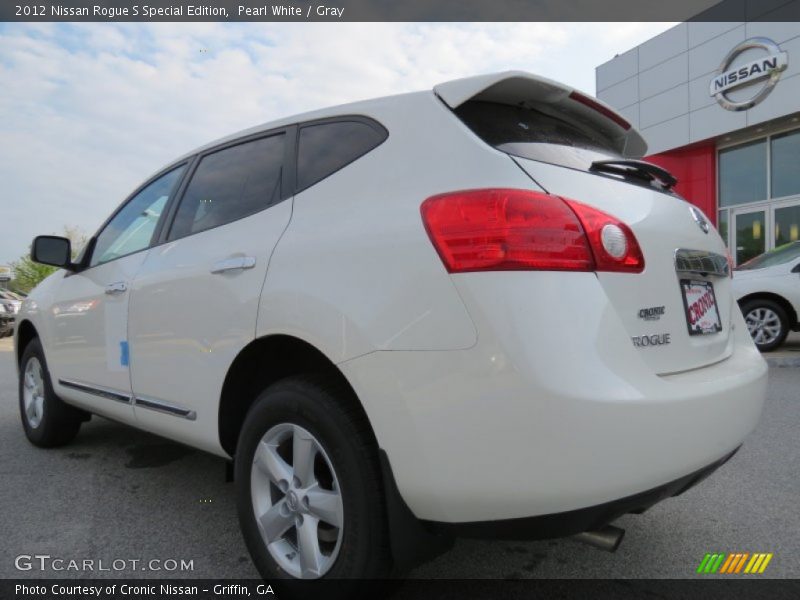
{"points": [[552, 411], [583, 519]]}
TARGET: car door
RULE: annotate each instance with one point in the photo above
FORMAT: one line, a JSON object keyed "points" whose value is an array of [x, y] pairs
{"points": [[194, 302], [88, 353]]}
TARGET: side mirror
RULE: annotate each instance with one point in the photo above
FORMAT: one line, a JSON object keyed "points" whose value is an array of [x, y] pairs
{"points": [[796, 268], [52, 250]]}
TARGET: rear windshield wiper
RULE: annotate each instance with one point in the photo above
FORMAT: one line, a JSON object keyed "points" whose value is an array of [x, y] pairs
{"points": [[636, 168]]}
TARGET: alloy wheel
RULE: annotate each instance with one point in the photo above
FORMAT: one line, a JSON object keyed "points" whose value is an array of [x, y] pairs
{"points": [[297, 501], [33, 392], [764, 325]]}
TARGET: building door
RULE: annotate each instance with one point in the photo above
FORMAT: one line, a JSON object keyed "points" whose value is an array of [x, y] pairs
{"points": [[750, 232], [786, 219]]}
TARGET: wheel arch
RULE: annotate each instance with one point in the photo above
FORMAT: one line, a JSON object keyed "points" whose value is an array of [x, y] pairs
{"points": [[262, 362], [778, 299], [26, 332], [271, 358]]}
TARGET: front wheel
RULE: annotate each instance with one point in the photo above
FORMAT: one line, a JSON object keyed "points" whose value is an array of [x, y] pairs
{"points": [[47, 420], [767, 323], [308, 485]]}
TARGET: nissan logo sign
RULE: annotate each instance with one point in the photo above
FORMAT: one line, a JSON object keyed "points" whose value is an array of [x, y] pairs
{"points": [[766, 69]]}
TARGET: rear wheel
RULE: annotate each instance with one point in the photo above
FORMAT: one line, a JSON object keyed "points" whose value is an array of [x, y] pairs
{"points": [[767, 323], [46, 419], [308, 485]]}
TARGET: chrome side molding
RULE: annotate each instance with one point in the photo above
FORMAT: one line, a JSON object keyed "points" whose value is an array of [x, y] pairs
{"points": [[96, 390], [158, 405], [165, 407], [701, 262]]}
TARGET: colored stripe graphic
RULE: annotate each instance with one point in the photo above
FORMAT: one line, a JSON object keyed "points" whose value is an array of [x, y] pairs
{"points": [[764, 564], [717, 563], [741, 562], [711, 562], [720, 562], [754, 563], [703, 563], [728, 562]]}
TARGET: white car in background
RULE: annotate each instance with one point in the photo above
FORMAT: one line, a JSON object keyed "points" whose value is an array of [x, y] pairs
{"points": [[767, 289], [461, 311]]}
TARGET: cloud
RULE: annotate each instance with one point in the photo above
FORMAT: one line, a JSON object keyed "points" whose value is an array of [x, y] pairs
{"points": [[90, 110]]}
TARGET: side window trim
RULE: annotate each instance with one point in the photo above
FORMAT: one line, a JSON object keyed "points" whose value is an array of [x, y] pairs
{"points": [[87, 258], [159, 237], [287, 182], [375, 125], [172, 205]]}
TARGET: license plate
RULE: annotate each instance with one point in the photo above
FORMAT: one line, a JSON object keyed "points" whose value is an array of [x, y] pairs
{"points": [[700, 303]]}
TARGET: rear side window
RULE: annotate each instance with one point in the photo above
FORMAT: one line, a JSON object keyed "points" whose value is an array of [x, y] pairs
{"points": [[325, 148], [231, 184], [531, 133]]}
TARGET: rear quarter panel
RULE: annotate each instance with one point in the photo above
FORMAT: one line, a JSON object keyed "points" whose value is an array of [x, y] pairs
{"points": [[355, 271]]}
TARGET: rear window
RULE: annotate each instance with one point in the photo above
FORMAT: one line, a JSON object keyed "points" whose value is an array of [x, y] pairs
{"points": [[324, 148], [531, 133], [549, 134]]}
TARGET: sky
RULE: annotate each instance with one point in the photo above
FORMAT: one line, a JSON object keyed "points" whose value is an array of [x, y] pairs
{"points": [[88, 111]]}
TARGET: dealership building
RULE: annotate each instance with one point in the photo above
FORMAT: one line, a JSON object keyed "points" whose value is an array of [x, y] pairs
{"points": [[719, 106]]}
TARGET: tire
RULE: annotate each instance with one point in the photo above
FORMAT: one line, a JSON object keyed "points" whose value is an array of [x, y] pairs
{"points": [[48, 422], [346, 461], [767, 322]]}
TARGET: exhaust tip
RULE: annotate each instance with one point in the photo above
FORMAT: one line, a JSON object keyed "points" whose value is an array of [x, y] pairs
{"points": [[606, 538]]}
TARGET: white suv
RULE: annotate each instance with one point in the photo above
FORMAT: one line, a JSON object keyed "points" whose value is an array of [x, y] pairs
{"points": [[463, 311]]}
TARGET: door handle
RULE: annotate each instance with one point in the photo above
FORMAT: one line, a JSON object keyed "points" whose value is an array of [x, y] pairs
{"points": [[116, 288], [235, 263]]}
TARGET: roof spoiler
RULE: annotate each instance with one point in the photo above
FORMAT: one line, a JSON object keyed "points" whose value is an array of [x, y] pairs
{"points": [[519, 88]]}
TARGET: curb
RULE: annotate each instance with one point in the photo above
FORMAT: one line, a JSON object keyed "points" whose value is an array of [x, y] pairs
{"points": [[783, 361]]}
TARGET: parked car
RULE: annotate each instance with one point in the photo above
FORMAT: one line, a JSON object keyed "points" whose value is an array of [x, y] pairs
{"points": [[767, 289], [465, 311], [9, 307]]}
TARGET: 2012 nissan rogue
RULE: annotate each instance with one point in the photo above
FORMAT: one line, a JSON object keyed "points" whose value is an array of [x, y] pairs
{"points": [[465, 311]]}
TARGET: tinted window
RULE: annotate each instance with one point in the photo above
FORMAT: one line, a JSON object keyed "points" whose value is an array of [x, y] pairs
{"points": [[785, 156], [231, 184], [327, 147], [554, 135], [743, 174], [532, 134], [132, 227]]}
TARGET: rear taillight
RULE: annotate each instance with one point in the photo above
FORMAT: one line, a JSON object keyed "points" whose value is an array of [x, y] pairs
{"points": [[607, 235], [521, 230]]}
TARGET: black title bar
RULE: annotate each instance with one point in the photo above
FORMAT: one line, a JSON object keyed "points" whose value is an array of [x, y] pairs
{"points": [[730, 588], [397, 10]]}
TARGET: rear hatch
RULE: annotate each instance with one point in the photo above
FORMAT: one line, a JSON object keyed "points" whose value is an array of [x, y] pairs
{"points": [[678, 310]]}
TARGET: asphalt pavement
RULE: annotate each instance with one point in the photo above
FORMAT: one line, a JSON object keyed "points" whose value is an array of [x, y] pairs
{"points": [[120, 494]]}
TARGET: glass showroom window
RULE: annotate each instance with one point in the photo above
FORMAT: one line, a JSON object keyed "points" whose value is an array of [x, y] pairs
{"points": [[787, 225], [743, 173], [785, 158]]}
